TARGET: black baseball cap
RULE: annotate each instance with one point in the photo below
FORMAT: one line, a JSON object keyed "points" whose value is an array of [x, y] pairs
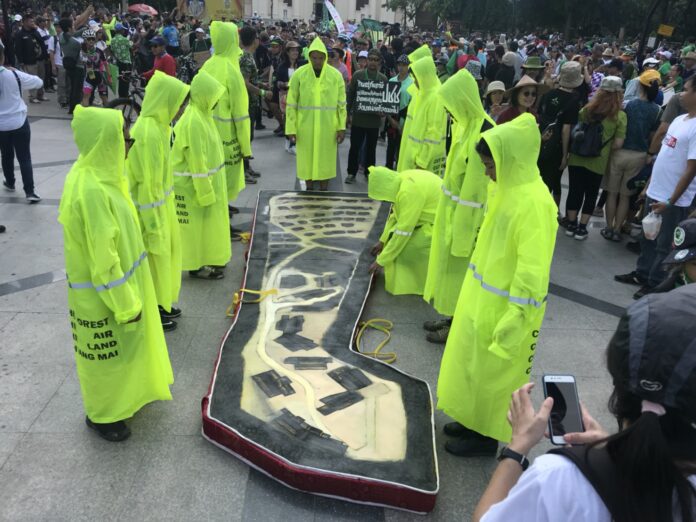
{"points": [[684, 243], [158, 40]]}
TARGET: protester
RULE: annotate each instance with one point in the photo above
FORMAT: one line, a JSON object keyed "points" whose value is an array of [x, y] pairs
{"points": [[461, 205], [121, 51], [586, 165], [152, 186], [163, 60], [74, 67], [423, 145], [396, 123], [645, 471], [670, 193], [364, 127], [493, 99], [29, 51], [95, 64], [290, 62], [316, 117], [15, 132], [502, 301], [402, 250], [110, 290], [55, 54], [681, 261], [523, 98], [231, 114]]}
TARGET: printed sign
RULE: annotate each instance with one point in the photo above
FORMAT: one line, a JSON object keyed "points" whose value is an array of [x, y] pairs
{"points": [[334, 15], [665, 30], [374, 96]]}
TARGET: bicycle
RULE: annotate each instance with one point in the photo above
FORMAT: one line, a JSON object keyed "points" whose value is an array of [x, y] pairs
{"points": [[186, 68], [130, 106]]}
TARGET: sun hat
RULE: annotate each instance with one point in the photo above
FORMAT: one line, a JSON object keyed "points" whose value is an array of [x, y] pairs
{"points": [[684, 243], [611, 84], [570, 75], [608, 53], [533, 62], [474, 68], [691, 55], [527, 81], [509, 59], [292, 44], [496, 86], [649, 76]]}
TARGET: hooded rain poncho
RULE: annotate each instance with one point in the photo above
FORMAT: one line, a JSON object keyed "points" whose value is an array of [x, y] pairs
{"points": [[122, 364], [492, 341], [316, 111], [199, 179], [152, 184], [232, 111], [423, 143], [408, 231], [462, 203]]}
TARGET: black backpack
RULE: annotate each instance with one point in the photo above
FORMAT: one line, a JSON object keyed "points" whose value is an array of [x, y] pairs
{"points": [[586, 139]]}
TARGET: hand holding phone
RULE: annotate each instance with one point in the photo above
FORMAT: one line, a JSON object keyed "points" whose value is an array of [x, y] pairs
{"points": [[565, 414]]}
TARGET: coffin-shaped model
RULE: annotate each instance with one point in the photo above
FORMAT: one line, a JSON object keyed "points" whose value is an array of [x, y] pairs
{"points": [[288, 395]]}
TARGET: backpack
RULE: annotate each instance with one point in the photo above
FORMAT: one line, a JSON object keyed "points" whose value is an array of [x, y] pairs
{"points": [[586, 139]]}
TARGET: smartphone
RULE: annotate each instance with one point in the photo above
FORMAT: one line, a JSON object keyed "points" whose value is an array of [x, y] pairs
{"points": [[565, 414]]}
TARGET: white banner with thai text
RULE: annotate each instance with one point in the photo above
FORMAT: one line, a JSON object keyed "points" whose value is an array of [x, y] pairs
{"points": [[335, 16]]}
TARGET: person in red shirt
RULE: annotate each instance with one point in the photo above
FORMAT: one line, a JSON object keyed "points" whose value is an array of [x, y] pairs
{"points": [[163, 61]]}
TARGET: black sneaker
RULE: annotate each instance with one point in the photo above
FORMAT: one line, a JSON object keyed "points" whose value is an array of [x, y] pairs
{"points": [[232, 210], [454, 429], [644, 290], [475, 447], [33, 197], [350, 179], [580, 233], [260, 126], [2, 228], [571, 228], [433, 326], [563, 222], [172, 314], [112, 431], [168, 325], [632, 278], [438, 336], [8, 187]]}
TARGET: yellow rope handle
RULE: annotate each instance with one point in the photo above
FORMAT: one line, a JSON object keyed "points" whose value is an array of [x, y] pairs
{"points": [[263, 294], [246, 237], [382, 325]]}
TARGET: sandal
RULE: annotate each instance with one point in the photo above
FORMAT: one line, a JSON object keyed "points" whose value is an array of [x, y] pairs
{"points": [[616, 236], [206, 272], [607, 233]]}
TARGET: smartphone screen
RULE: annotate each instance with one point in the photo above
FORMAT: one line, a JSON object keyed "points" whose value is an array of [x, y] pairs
{"points": [[565, 414]]}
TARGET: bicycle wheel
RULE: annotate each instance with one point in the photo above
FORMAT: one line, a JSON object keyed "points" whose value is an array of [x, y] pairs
{"points": [[129, 108]]}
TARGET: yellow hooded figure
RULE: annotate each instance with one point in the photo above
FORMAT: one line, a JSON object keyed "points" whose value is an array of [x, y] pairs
{"points": [[199, 180], [405, 243], [120, 353], [423, 143], [316, 112], [464, 194], [492, 342], [231, 114], [152, 184]]}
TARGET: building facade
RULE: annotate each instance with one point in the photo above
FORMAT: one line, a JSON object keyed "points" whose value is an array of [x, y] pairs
{"points": [[309, 9]]}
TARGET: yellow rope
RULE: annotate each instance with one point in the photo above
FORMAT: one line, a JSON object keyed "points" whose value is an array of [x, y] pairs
{"points": [[246, 237], [263, 294], [381, 325]]}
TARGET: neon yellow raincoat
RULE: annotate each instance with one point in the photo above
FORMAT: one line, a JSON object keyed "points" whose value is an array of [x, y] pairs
{"points": [[316, 111], [463, 199], [122, 365], [152, 184], [232, 111], [409, 229], [491, 344], [423, 143], [199, 179]]}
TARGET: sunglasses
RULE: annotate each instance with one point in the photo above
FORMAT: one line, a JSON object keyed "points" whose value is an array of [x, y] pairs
{"points": [[529, 94]]}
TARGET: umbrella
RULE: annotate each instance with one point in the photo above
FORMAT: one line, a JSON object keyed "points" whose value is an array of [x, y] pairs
{"points": [[142, 9]]}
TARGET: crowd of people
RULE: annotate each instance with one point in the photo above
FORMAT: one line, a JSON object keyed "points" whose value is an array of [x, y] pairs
{"points": [[485, 129]]}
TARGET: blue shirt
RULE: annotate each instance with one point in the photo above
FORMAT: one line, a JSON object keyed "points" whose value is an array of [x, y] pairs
{"points": [[171, 35], [642, 117]]}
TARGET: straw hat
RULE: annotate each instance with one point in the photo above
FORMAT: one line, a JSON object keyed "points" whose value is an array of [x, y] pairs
{"points": [[526, 81]]}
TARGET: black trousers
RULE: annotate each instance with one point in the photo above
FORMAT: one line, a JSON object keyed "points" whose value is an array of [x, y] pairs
{"points": [[74, 76], [16, 142], [583, 188], [124, 72], [393, 145], [358, 136]]}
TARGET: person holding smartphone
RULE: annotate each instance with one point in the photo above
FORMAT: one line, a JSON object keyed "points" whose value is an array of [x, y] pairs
{"points": [[644, 472]]}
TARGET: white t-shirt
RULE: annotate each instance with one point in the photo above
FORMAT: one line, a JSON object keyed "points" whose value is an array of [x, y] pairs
{"points": [[678, 146], [13, 110], [54, 47], [552, 489]]}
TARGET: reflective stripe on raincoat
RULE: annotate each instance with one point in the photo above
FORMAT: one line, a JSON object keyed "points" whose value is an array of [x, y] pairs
{"points": [[199, 179], [316, 111], [462, 203], [152, 184], [121, 365], [493, 338], [231, 114], [423, 142], [408, 231]]}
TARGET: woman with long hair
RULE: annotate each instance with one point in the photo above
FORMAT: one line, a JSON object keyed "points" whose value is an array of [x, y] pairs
{"points": [[587, 166], [646, 472], [523, 98], [642, 116], [290, 62]]}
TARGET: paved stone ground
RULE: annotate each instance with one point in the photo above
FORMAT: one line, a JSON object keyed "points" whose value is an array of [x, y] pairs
{"points": [[53, 468]]}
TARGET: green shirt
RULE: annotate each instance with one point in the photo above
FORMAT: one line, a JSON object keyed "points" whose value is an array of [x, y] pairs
{"points": [[247, 65], [363, 119], [120, 48], [613, 129]]}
